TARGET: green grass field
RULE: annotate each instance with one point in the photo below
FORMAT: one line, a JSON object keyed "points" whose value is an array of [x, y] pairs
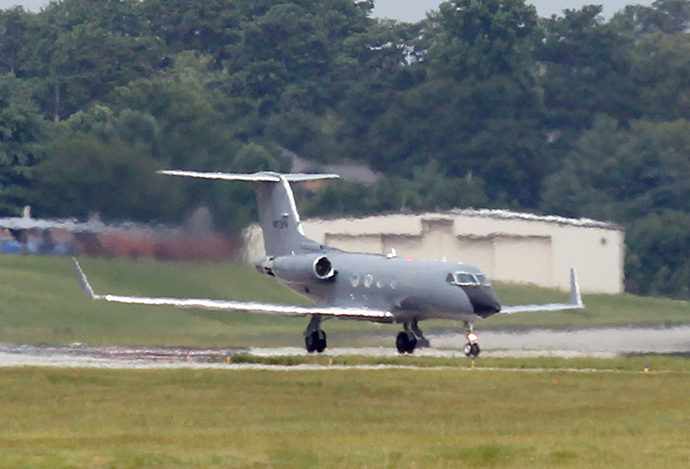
{"points": [[506, 413], [42, 303], [606, 415]]}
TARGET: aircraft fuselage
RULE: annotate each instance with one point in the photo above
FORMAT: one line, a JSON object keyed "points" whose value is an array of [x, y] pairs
{"points": [[412, 289], [347, 285]]}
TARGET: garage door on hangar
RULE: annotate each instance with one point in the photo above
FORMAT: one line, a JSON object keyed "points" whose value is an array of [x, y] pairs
{"points": [[519, 257]]}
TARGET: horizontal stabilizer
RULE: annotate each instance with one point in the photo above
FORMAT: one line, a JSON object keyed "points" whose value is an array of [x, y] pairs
{"points": [[221, 305], [575, 301], [280, 224], [264, 176]]}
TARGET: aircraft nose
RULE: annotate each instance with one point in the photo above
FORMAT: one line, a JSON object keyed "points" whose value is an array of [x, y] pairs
{"points": [[484, 301]]}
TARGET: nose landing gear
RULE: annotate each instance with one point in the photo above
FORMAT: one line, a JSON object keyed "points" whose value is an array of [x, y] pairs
{"points": [[471, 347]]}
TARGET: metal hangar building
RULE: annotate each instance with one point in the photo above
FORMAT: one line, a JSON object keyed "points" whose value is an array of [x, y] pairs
{"points": [[507, 246]]}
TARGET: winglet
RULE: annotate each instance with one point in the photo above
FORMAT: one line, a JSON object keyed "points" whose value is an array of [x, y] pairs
{"points": [[575, 295], [84, 282], [574, 303]]}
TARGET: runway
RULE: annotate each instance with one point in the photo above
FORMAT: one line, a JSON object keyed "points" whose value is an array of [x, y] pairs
{"points": [[601, 343]]}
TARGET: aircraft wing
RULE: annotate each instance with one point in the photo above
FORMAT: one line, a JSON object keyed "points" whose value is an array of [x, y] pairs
{"points": [[575, 301], [221, 305]]}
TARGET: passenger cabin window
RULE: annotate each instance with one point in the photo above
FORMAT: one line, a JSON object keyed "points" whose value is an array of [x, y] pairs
{"points": [[368, 280]]}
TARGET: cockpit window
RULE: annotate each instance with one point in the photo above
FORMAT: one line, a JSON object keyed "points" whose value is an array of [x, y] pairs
{"points": [[462, 278], [483, 280]]}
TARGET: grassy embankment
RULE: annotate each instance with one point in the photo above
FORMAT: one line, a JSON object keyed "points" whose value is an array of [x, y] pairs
{"points": [[41, 302], [616, 417], [507, 413]]}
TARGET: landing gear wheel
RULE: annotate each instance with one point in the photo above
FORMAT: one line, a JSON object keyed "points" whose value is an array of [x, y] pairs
{"points": [[406, 342], [321, 342], [309, 343], [472, 350], [316, 341]]}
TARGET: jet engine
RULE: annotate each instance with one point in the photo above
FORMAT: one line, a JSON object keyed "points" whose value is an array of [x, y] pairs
{"points": [[301, 268]]}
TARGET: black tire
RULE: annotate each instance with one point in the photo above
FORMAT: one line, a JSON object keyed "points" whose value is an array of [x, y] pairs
{"points": [[411, 342], [320, 341], [406, 342], [309, 343], [316, 341], [401, 342], [472, 350]]}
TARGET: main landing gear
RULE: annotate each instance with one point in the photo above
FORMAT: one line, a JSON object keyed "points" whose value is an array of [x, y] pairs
{"points": [[406, 342], [316, 341], [314, 337], [471, 347], [411, 338]]}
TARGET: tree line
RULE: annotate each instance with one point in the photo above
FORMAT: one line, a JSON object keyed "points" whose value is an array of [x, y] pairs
{"points": [[483, 103]]}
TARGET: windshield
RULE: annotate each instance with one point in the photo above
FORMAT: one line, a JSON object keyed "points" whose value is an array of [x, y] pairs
{"points": [[466, 279], [483, 280]]}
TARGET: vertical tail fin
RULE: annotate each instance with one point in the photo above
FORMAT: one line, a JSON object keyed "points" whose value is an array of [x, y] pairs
{"points": [[278, 216]]}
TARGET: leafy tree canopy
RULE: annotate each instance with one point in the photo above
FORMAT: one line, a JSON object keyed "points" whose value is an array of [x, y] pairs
{"points": [[22, 140], [482, 103]]}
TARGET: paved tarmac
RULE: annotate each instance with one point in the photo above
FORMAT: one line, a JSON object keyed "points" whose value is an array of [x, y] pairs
{"points": [[603, 343], [610, 341]]}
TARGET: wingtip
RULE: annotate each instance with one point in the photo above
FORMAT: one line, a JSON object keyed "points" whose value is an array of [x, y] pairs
{"points": [[575, 295], [83, 281]]}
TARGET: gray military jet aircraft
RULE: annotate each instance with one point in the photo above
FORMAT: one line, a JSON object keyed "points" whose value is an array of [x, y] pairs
{"points": [[371, 287]]}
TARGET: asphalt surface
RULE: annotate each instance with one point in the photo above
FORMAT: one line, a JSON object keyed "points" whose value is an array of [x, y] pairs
{"points": [[603, 343], [579, 342]]}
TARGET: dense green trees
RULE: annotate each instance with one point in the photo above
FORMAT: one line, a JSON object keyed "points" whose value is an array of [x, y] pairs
{"points": [[22, 144], [479, 99], [481, 104]]}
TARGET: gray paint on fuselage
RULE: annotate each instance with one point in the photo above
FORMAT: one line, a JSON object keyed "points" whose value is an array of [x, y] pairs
{"points": [[409, 288], [388, 288]]}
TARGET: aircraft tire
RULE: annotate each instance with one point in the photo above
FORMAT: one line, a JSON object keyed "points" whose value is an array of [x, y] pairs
{"points": [[309, 343], [316, 341], [412, 342], [406, 342], [472, 350], [321, 342], [399, 342]]}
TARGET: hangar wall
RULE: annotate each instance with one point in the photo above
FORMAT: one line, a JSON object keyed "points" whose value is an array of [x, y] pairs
{"points": [[507, 246]]}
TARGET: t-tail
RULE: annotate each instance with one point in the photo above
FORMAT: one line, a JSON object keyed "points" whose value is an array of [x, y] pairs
{"points": [[278, 217]]}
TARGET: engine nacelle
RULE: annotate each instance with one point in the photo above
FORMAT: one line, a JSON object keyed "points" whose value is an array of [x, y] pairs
{"points": [[302, 268], [323, 269]]}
